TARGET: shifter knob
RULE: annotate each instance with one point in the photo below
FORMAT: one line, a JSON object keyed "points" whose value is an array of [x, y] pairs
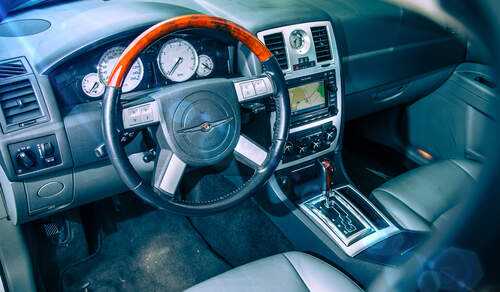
{"points": [[327, 170]]}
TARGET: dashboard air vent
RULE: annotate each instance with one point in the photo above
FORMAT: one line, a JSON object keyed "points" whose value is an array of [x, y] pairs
{"points": [[12, 68], [19, 103], [276, 44], [321, 43]]}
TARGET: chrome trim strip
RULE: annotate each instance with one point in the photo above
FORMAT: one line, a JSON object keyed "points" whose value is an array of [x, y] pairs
{"points": [[313, 124]]}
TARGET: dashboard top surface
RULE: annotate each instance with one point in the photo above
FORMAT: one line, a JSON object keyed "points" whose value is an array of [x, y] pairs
{"points": [[91, 22]]}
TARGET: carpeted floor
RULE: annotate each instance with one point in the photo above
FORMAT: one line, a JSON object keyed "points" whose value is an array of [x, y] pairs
{"points": [[145, 250], [242, 234]]}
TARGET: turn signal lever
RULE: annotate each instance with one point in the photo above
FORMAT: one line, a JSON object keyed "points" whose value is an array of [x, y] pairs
{"points": [[326, 174]]}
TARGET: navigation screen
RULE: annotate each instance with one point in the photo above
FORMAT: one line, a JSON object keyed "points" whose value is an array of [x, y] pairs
{"points": [[307, 96]]}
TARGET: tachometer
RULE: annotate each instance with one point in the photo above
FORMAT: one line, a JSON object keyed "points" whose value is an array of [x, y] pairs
{"points": [[108, 62], [177, 60], [92, 85]]}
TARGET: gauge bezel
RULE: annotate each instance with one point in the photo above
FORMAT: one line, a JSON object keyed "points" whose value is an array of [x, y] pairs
{"points": [[199, 63], [160, 54], [305, 38], [125, 79], [100, 81]]}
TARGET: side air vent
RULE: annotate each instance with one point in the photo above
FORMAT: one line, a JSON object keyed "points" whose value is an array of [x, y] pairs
{"points": [[276, 44], [11, 69], [19, 103], [321, 43]]}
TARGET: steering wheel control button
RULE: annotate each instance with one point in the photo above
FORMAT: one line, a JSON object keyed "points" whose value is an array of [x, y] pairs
{"points": [[140, 115], [254, 88], [260, 86], [247, 89]]}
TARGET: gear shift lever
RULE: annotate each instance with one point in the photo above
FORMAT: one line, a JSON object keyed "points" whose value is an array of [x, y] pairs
{"points": [[327, 170]]}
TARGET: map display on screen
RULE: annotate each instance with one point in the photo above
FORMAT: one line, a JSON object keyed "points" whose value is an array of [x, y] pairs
{"points": [[307, 96]]}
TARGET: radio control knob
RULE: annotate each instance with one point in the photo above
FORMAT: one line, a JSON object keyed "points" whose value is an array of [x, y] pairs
{"points": [[24, 158], [301, 148], [288, 148], [331, 134], [316, 145]]}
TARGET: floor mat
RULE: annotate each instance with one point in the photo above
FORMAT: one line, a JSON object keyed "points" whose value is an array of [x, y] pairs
{"points": [[242, 234], [148, 250]]}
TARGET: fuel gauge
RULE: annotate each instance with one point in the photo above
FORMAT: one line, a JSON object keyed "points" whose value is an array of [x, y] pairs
{"points": [[92, 85], [205, 66]]}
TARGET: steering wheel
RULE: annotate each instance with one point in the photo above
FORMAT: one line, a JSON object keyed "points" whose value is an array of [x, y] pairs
{"points": [[195, 123]]}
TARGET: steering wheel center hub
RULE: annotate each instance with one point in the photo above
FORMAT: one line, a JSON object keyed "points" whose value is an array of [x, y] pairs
{"points": [[205, 128]]}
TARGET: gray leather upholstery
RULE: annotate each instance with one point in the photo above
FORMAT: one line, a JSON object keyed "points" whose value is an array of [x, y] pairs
{"points": [[291, 271], [424, 198]]}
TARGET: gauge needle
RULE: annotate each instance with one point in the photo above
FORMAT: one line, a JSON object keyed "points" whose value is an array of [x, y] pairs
{"points": [[206, 66], [96, 84], [179, 61]]}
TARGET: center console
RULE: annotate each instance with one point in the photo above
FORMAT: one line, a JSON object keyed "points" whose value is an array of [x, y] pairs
{"points": [[310, 61], [326, 199]]}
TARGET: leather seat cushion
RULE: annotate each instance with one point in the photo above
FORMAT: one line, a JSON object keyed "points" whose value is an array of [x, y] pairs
{"points": [[291, 271], [425, 198]]}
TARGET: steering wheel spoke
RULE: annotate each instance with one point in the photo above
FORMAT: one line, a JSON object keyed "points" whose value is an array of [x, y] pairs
{"points": [[169, 172], [250, 152], [248, 89]]}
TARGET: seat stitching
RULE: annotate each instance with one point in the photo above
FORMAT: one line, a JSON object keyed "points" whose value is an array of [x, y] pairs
{"points": [[295, 270]]}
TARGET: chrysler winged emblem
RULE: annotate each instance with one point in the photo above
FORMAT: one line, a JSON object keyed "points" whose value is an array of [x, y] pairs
{"points": [[206, 126]]}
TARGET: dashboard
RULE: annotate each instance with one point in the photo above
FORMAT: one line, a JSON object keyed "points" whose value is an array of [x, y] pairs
{"points": [[173, 59], [336, 62]]}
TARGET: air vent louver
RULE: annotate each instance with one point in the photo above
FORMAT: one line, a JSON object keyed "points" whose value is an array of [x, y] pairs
{"points": [[12, 68], [276, 44], [18, 102], [321, 43]]}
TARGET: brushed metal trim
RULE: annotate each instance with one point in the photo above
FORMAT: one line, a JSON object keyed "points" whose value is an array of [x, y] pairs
{"points": [[358, 243], [172, 175], [250, 150]]}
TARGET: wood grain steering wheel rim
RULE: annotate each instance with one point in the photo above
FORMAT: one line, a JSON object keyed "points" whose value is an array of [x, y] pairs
{"points": [[113, 120]]}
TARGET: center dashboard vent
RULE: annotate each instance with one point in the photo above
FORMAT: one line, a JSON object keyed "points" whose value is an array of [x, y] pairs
{"points": [[321, 43], [276, 44], [19, 103], [11, 69]]}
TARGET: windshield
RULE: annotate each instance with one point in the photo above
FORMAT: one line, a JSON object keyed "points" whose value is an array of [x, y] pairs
{"points": [[8, 7]]}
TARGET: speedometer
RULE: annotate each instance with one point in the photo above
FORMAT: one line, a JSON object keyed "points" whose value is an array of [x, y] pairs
{"points": [[177, 60], [108, 62]]}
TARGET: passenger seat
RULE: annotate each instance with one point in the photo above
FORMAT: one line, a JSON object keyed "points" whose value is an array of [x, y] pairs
{"points": [[424, 198]]}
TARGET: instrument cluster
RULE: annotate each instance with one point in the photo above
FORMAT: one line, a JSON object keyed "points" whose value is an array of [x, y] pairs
{"points": [[173, 59]]}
